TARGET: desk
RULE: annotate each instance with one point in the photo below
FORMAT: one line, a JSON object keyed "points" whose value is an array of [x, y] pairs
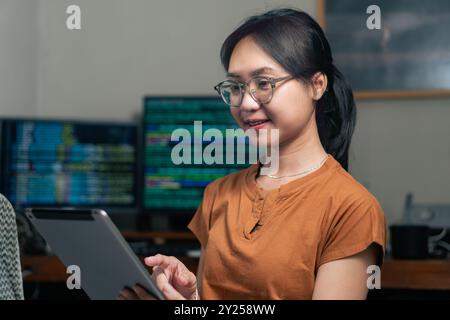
{"points": [[416, 274], [395, 274]]}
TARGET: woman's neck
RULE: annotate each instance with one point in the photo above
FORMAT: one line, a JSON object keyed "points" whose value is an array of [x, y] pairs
{"points": [[301, 154], [300, 159]]}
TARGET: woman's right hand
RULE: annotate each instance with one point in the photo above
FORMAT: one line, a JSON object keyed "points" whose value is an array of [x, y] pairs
{"points": [[172, 277]]}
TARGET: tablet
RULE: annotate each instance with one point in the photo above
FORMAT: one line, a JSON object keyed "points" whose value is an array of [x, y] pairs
{"points": [[89, 240]]}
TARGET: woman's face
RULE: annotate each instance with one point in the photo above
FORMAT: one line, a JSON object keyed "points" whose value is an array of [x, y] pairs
{"points": [[291, 108]]}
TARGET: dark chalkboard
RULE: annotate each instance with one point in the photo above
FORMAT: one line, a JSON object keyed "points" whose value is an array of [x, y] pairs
{"points": [[409, 54]]}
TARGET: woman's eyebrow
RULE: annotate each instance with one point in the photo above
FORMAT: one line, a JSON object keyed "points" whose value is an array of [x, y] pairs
{"points": [[233, 75], [256, 72], [262, 70]]}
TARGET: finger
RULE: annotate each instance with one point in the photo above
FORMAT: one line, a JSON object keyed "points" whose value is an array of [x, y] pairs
{"points": [[171, 294], [182, 269], [160, 278], [158, 260], [179, 278], [128, 294], [169, 266], [142, 293], [185, 278]]}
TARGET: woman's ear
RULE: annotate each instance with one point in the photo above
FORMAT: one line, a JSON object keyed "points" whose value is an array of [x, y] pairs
{"points": [[319, 83]]}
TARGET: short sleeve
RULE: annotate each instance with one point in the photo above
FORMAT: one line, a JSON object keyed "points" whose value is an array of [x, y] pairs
{"points": [[200, 223], [354, 229]]}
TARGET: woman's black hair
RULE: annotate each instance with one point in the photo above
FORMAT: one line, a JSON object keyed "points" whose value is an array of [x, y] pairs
{"points": [[298, 44]]}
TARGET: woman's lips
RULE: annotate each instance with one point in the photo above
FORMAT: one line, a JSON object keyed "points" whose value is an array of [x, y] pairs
{"points": [[257, 124]]}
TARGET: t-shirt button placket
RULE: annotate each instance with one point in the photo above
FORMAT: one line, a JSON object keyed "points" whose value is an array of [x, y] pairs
{"points": [[258, 206]]}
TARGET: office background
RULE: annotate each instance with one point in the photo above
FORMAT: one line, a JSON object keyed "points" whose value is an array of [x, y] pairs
{"points": [[128, 49]]}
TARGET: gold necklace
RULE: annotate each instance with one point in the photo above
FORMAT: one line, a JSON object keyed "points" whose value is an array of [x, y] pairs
{"points": [[303, 172]]}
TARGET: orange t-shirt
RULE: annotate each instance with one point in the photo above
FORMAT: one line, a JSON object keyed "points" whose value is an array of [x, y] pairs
{"points": [[260, 244]]}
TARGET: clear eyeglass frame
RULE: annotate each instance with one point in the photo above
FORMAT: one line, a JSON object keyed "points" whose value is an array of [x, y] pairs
{"points": [[261, 89]]}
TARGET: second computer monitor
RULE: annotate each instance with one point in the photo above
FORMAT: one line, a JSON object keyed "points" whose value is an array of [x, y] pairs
{"points": [[69, 163], [171, 186]]}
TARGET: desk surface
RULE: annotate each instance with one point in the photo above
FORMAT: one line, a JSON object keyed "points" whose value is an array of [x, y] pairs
{"points": [[395, 274], [416, 274]]}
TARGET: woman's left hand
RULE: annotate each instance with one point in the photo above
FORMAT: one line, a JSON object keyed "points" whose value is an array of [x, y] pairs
{"points": [[136, 292]]}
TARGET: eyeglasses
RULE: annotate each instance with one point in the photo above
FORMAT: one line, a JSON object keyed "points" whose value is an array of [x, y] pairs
{"points": [[261, 89]]}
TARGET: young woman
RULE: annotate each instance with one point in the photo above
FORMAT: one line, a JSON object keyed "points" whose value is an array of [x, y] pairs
{"points": [[310, 231]]}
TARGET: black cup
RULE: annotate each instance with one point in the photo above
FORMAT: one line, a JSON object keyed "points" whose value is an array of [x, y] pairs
{"points": [[409, 241]]}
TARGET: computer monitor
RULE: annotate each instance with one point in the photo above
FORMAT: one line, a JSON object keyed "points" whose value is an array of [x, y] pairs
{"points": [[178, 188], [55, 163]]}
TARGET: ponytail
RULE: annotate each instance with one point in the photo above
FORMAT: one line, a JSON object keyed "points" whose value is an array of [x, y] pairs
{"points": [[336, 117]]}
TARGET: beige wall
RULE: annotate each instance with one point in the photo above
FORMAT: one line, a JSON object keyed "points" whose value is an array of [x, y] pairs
{"points": [[18, 57], [403, 146], [130, 48]]}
